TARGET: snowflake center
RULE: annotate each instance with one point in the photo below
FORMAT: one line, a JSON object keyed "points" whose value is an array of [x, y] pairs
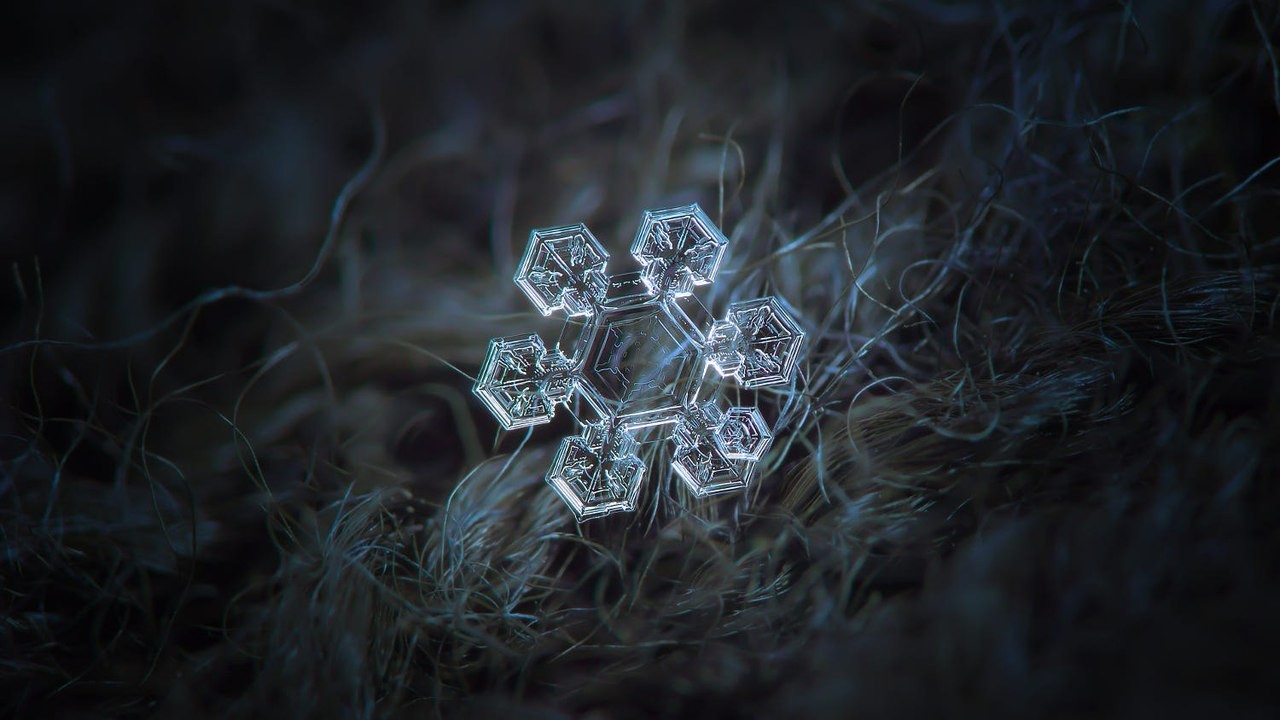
{"points": [[642, 362]]}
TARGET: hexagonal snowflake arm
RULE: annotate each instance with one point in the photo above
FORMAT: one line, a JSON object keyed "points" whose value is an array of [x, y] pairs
{"points": [[699, 458], [521, 382], [758, 343], [598, 472], [679, 248], [743, 434], [563, 269]]}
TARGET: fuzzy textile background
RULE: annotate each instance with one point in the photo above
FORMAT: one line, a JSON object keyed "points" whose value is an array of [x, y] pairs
{"points": [[254, 252]]}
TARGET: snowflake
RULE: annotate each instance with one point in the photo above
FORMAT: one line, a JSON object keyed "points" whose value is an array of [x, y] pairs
{"points": [[639, 361]]}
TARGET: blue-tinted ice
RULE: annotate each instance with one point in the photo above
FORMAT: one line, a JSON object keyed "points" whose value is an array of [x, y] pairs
{"points": [[640, 361]]}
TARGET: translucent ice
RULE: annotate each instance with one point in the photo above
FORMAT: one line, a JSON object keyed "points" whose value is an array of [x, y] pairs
{"points": [[563, 269], [678, 248], [598, 472], [758, 343], [639, 361], [522, 383]]}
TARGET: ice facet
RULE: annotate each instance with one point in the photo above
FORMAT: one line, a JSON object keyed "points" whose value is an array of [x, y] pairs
{"points": [[679, 248], [597, 472], [563, 269], [743, 434], [521, 382], [639, 361], [642, 363], [758, 343]]}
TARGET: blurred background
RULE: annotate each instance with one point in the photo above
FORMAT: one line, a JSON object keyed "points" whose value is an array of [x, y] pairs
{"points": [[254, 253]]}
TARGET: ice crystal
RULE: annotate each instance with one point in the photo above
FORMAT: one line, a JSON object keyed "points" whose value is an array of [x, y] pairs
{"points": [[640, 361]]}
